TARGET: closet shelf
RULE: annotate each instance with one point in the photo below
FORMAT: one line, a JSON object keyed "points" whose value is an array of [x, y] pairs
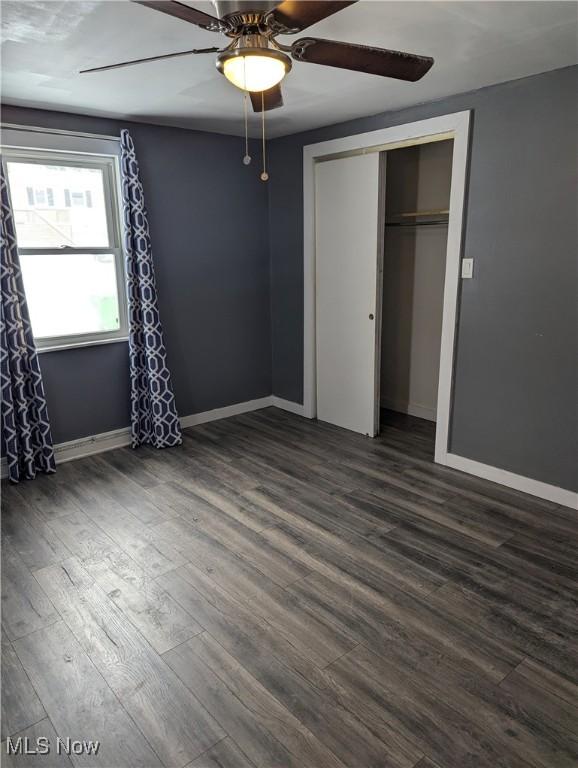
{"points": [[417, 215]]}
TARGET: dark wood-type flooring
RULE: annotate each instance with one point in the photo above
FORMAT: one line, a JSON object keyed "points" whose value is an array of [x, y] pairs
{"points": [[279, 593]]}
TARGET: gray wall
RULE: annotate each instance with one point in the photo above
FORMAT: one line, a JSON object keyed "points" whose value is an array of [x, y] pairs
{"points": [[515, 379], [515, 400], [207, 215]]}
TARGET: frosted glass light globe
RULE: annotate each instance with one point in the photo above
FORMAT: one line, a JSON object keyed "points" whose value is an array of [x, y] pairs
{"points": [[254, 73]]}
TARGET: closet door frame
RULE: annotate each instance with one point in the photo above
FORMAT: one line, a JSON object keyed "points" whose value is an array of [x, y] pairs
{"points": [[453, 126]]}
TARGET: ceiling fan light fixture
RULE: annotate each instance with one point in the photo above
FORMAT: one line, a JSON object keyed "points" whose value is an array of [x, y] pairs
{"points": [[254, 69]]}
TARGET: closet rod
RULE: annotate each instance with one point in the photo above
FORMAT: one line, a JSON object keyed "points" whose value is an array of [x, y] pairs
{"points": [[431, 212], [416, 223]]}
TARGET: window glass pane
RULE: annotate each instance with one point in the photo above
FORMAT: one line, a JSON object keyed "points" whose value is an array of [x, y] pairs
{"points": [[70, 294], [66, 207]]}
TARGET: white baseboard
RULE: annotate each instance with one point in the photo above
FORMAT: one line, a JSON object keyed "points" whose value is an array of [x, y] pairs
{"points": [[224, 413], [511, 480], [420, 411], [118, 438], [87, 446], [287, 405], [83, 446]]}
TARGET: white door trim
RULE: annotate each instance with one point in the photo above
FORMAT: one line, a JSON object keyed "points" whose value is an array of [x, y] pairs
{"points": [[454, 126]]}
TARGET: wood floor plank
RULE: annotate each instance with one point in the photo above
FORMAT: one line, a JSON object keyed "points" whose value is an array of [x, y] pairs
{"points": [[425, 762], [268, 559], [538, 731], [216, 471], [514, 632], [122, 489], [460, 482], [556, 555], [51, 496], [120, 526], [198, 469], [41, 730], [310, 634], [373, 616], [79, 702], [238, 508], [292, 461], [324, 599], [264, 729], [388, 477], [270, 660], [543, 706], [231, 622], [82, 537], [174, 722], [529, 514], [25, 529], [334, 554], [417, 712], [128, 462], [25, 607], [231, 571], [225, 754], [93, 484], [396, 508], [21, 707], [187, 503], [504, 578], [161, 620], [264, 466], [292, 505], [547, 680]]}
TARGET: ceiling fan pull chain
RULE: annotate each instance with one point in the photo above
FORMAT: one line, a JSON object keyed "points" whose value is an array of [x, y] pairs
{"points": [[264, 175], [247, 157]]}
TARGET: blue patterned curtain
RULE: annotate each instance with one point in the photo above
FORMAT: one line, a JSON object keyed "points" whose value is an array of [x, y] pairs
{"points": [[154, 417], [26, 438]]}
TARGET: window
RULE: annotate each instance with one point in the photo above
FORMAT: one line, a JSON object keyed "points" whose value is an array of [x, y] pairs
{"points": [[68, 232], [78, 198], [40, 197]]}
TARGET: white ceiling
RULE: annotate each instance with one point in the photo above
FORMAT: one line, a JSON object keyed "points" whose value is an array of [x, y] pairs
{"points": [[474, 44]]}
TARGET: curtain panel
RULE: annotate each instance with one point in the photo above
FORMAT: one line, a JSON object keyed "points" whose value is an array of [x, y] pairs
{"points": [[154, 418], [26, 438]]}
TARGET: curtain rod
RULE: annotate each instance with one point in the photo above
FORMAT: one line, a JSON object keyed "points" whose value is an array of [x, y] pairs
{"points": [[80, 134]]}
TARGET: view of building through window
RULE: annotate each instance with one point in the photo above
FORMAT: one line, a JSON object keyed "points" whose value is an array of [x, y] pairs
{"points": [[58, 208], [58, 205]]}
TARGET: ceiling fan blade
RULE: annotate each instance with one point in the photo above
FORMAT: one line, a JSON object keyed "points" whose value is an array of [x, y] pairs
{"points": [[361, 58], [271, 99], [150, 58], [185, 13], [296, 15]]}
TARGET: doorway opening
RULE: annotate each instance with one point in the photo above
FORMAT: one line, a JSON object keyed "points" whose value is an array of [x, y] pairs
{"points": [[342, 321], [415, 202]]}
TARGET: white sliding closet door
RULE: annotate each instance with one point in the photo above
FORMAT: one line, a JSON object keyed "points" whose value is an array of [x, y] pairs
{"points": [[347, 246]]}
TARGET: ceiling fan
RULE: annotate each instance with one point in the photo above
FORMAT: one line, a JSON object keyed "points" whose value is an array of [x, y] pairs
{"points": [[255, 61]]}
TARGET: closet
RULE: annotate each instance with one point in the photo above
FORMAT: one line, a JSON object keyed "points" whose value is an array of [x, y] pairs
{"points": [[381, 223], [417, 198]]}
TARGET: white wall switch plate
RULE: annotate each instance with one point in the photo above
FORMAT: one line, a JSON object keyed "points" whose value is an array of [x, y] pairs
{"points": [[467, 268]]}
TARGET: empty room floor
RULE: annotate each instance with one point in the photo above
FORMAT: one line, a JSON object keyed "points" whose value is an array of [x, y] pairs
{"points": [[280, 593]]}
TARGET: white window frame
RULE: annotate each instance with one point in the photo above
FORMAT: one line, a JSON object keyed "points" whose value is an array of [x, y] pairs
{"points": [[109, 166]]}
